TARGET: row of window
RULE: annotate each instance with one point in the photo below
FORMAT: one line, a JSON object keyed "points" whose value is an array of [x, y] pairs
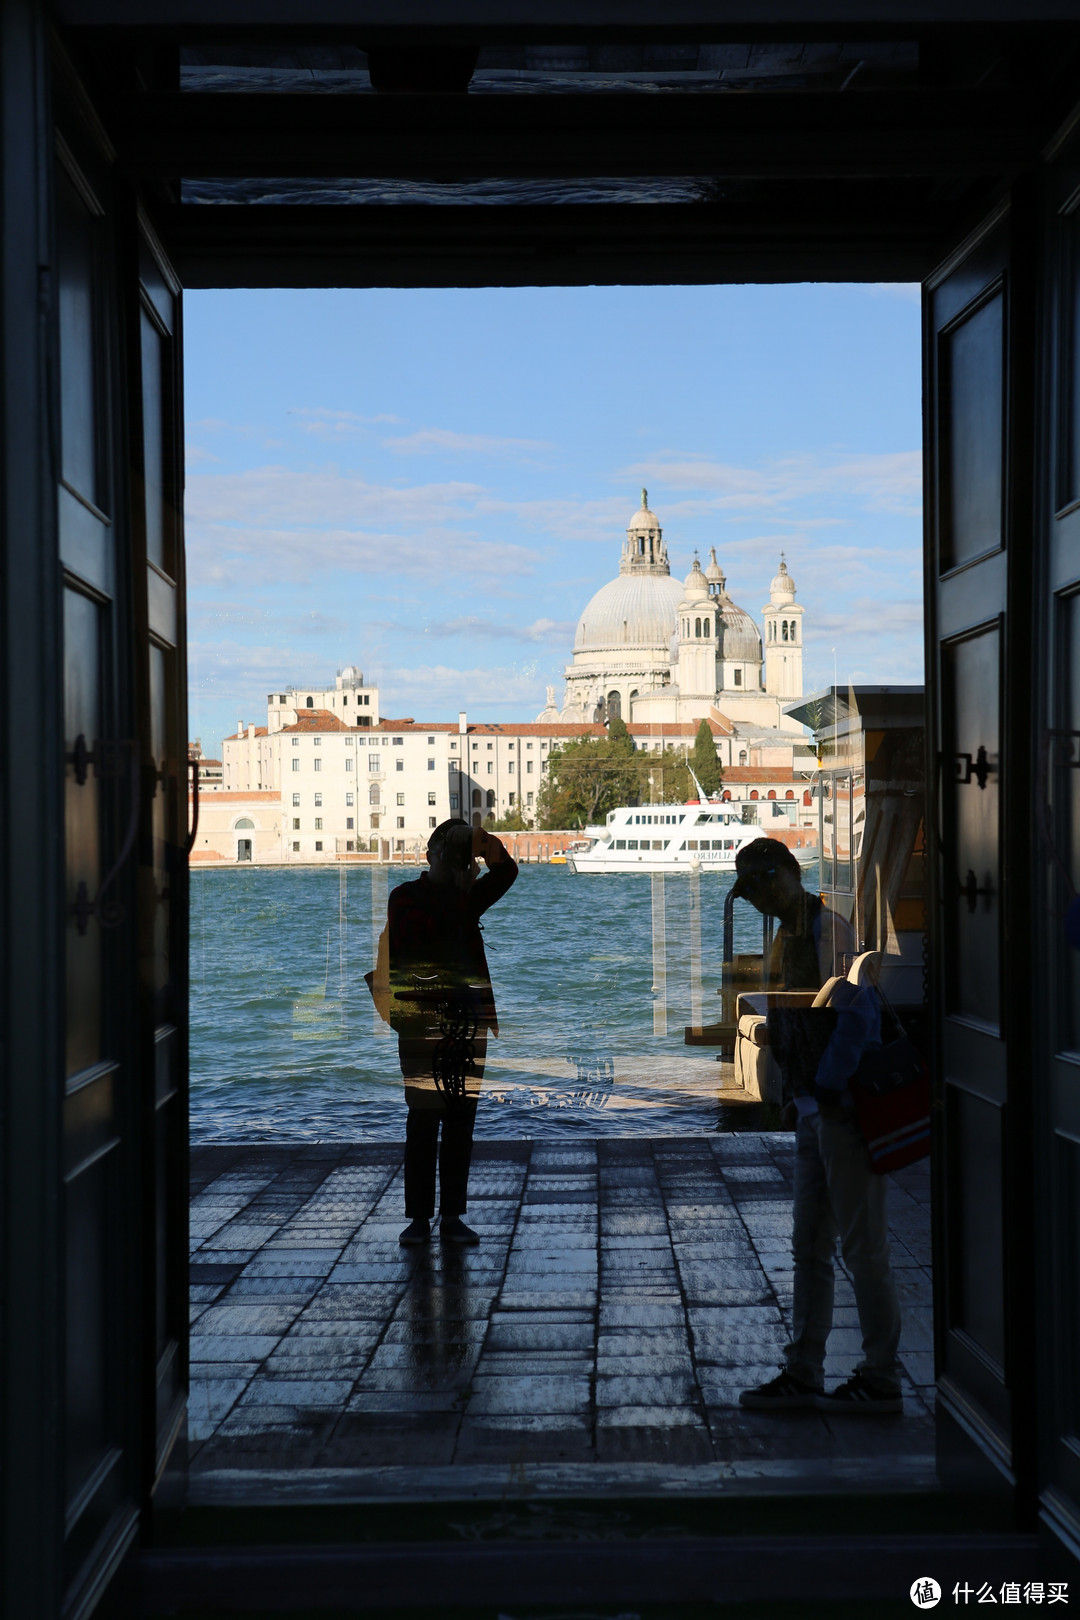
{"points": [[788, 630]]}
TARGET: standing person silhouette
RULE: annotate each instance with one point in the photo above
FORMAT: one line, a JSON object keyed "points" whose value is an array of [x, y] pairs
{"points": [[442, 1007], [836, 1192]]}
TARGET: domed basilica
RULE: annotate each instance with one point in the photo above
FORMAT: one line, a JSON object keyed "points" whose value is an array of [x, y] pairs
{"points": [[650, 649]]}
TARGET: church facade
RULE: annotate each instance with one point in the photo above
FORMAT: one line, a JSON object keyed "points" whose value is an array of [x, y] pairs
{"points": [[648, 648]]}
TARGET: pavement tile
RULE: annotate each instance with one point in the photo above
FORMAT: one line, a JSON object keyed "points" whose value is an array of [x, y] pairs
{"points": [[404, 1403], [530, 1394], [232, 1346], [248, 1318], [519, 1337], [301, 1393], [671, 1389], [647, 1417]]}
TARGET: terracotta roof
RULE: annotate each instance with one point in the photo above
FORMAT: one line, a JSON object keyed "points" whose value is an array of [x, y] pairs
{"points": [[253, 796], [736, 775], [317, 720]]}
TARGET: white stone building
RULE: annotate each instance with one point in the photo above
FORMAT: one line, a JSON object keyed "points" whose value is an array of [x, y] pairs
{"points": [[649, 649]]}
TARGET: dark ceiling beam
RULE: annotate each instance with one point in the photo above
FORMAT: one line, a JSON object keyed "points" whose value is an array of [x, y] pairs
{"points": [[711, 20], [785, 135], [272, 246]]}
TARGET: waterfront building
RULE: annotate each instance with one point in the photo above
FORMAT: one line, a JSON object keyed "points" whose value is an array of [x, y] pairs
{"points": [[311, 787], [649, 649]]}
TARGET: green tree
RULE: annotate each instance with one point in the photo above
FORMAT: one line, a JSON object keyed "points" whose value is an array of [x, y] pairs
{"points": [[619, 736], [664, 777], [513, 821], [706, 766], [585, 780]]}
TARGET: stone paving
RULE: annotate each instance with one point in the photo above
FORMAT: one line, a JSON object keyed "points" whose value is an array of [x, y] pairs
{"points": [[623, 1293]]}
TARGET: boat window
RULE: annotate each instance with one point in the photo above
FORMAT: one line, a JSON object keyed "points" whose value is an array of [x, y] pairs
{"points": [[658, 843], [631, 843], [620, 843], [691, 843]]}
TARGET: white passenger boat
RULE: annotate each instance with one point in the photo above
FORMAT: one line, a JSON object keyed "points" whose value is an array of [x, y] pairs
{"points": [[666, 838]]}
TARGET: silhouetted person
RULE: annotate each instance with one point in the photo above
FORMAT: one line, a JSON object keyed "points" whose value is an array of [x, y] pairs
{"points": [[836, 1191], [442, 1007]]}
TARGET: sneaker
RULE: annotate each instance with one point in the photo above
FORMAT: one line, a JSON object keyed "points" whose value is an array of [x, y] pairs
{"points": [[417, 1232], [857, 1398], [452, 1229], [785, 1393]]}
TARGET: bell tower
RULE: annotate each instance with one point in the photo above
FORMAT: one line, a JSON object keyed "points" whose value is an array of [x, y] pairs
{"points": [[783, 637]]}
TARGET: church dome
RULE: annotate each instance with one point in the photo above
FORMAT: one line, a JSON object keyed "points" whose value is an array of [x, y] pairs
{"points": [[635, 610], [783, 585], [713, 571], [739, 635]]}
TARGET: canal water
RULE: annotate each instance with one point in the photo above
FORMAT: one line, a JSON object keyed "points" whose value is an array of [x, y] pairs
{"points": [[595, 979]]}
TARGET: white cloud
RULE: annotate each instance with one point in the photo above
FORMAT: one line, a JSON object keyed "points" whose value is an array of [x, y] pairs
{"points": [[328, 424], [435, 691], [889, 481], [554, 632], [430, 440]]}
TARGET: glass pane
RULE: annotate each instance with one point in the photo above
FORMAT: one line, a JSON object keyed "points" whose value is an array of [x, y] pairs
{"points": [[976, 1235], [82, 720], [78, 386], [159, 965], [1066, 793], [970, 429], [154, 371]]}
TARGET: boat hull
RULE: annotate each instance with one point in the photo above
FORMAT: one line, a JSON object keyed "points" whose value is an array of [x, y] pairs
{"points": [[723, 861]]}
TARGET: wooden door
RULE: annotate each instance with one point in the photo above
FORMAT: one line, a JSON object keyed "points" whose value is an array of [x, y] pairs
{"points": [[154, 337], [978, 347], [1056, 860]]}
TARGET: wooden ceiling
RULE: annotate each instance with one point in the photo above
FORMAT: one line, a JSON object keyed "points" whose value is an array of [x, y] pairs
{"points": [[468, 150]]}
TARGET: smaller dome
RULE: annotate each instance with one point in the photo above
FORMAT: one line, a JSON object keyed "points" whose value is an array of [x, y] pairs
{"points": [[783, 584], [643, 518], [348, 672], [740, 638], [695, 584], [714, 573]]}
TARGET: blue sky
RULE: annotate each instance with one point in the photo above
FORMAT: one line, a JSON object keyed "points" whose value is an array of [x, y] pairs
{"points": [[431, 484]]}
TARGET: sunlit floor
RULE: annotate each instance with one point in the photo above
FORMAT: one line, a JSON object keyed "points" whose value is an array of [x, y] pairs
{"points": [[623, 1293]]}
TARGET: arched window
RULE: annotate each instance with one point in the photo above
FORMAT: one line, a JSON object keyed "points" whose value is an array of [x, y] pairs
{"points": [[373, 793], [783, 630], [614, 708], [708, 627], [477, 819], [808, 798], [742, 756], [754, 794], [727, 796], [491, 799], [311, 703], [697, 627], [244, 823], [477, 799], [641, 548], [789, 794], [772, 793]]}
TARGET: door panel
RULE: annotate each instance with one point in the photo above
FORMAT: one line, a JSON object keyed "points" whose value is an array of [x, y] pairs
{"points": [[970, 338], [1057, 873], [100, 1240], [163, 870]]}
